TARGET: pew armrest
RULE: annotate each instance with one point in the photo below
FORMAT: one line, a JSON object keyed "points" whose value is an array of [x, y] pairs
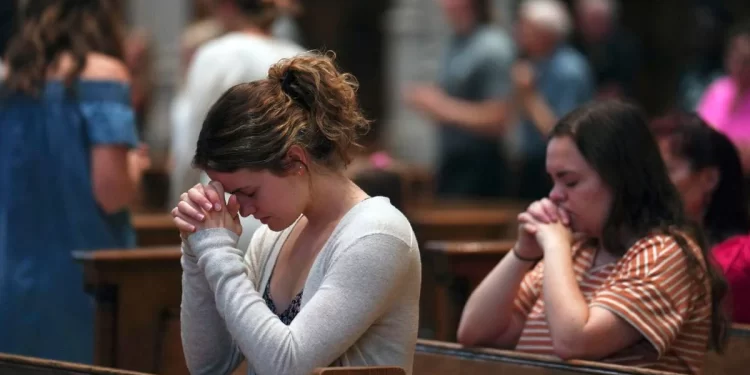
{"points": [[368, 370], [16, 364], [459, 248]]}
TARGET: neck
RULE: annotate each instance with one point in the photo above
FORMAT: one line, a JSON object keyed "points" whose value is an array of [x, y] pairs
{"points": [[334, 196]]}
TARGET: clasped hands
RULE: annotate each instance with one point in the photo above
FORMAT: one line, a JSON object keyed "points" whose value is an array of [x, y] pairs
{"points": [[203, 207], [547, 223]]}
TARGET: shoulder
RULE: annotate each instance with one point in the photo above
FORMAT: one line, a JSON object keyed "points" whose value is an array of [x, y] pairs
{"points": [[733, 255], [720, 85], [214, 48], [100, 67], [288, 48], [663, 250], [377, 217], [571, 64], [219, 50], [493, 42]]}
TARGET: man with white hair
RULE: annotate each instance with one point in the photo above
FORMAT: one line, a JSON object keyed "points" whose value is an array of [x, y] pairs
{"points": [[614, 53], [552, 80]]}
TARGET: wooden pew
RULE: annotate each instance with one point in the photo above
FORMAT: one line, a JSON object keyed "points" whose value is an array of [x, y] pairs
{"points": [[155, 229], [736, 357], [134, 292], [458, 268], [20, 365], [374, 370], [465, 221], [442, 358], [138, 297], [456, 221]]}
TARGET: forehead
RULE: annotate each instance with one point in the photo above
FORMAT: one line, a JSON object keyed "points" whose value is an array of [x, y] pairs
{"points": [[238, 179], [563, 156]]}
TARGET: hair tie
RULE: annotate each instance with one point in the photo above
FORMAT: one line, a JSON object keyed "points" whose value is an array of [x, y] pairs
{"points": [[287, 80]]}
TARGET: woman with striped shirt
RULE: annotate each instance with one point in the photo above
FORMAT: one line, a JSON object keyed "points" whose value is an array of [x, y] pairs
{"points": [[607, 268]]}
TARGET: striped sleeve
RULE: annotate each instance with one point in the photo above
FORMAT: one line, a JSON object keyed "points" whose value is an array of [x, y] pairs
{"points": [[529, 290], [652, 291]]}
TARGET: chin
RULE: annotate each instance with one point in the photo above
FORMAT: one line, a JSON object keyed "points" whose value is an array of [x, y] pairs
{"points": [[278, 226]]}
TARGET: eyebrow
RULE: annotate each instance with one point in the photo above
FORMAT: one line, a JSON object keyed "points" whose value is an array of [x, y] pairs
{"points": [[238, 189], [562, 174]]}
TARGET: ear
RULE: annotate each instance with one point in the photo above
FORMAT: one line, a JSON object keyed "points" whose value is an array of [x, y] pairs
{"points": [[297, 160], [709, 179]]}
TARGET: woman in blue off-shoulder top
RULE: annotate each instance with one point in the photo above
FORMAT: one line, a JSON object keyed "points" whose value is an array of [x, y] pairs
{"points": [[68, 171]]}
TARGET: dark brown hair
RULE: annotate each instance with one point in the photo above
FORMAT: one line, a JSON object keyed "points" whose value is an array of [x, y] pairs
{"points": [[49, 28], [616, 141], [705, 147], [261, 13], [305, 101]]}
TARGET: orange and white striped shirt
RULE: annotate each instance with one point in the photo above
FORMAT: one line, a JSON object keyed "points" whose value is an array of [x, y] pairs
{"points": [[650, 288]]}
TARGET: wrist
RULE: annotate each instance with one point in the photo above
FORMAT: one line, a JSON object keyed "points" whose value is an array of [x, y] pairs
{"points": [[525, 258]]}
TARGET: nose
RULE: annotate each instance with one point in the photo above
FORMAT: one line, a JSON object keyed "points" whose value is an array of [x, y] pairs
{"points": [[247, 209], [557, 195]]}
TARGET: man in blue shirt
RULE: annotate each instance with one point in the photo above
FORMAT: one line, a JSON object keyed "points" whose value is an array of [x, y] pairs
{"points": [[470, 104], [552, 80]]}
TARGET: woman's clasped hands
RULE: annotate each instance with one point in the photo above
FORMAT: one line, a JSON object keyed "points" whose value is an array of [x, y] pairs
{"points": [[203, 207], [547, 223]]}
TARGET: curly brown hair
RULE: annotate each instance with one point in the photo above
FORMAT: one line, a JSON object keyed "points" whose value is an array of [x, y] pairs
{"points": [[305, 101], [50, 28]]}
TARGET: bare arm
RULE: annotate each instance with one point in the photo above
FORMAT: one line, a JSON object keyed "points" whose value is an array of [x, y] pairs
{"points": [[578, 331], [115, 171], [489, 317], [488, 117], [540, 113]]}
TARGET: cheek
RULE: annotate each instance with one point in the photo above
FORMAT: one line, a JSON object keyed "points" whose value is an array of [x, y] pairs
{"points": [[590, 207]]}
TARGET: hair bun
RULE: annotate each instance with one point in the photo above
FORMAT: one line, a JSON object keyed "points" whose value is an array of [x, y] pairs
{"points": [[289, 86]]}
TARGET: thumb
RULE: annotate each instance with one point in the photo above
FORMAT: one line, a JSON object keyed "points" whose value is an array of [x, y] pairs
{"points": [[233, 206]]}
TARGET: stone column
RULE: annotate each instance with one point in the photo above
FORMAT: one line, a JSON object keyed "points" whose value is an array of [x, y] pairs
{"points": [[415, 30], [164, 21]]}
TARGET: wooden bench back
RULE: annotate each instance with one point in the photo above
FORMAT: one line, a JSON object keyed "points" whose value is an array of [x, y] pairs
{"points": [[441, 358], [20, 365], [736, 357], [374, 370]]}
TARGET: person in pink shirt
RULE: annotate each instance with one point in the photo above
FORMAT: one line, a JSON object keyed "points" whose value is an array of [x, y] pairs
{"points": [[726, 103], [705, 168]]}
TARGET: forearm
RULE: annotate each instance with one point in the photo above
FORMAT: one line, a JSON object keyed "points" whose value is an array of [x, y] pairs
{"points": [[208, 346], [488, 118], [539, 112], [567, 310], [492, 303]]}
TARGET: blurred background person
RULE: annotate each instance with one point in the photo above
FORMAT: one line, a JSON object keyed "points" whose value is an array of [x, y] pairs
{"points": [[550, 80], [243, 54], [726, 103], [469, 103], [705, 167], [613, 52], [8, 10], [705, 55], [139, 58], [69, 168]]}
